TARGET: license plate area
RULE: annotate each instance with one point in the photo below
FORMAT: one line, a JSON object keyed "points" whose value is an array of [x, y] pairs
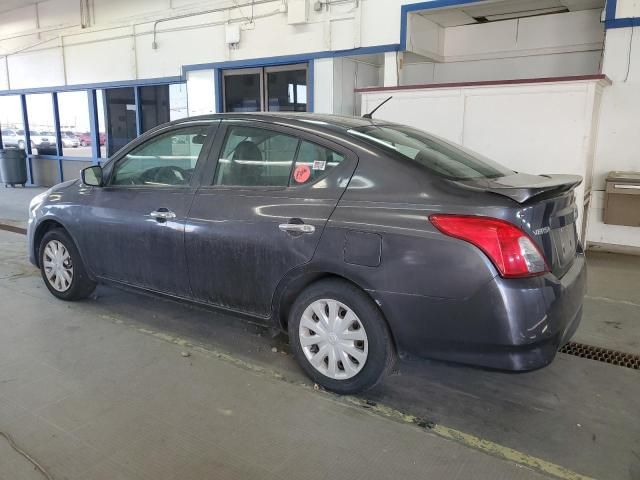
{"points": [[565, 241]]}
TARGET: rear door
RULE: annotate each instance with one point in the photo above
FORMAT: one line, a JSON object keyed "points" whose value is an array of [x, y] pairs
{"points": [[261, 211]]}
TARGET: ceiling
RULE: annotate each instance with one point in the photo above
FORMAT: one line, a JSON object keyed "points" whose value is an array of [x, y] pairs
{"points": [[505, 9]]}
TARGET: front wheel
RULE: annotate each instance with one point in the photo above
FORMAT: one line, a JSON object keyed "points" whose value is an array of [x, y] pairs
{"points": [[340, 337], [62, 268]]}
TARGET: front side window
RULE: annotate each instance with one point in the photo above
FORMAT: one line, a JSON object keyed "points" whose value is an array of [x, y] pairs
{"points": [[434, 153], [256, 157], [166, 160]]}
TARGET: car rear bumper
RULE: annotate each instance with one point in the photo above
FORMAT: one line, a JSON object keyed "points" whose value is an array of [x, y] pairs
{"points": [[509, 324]]}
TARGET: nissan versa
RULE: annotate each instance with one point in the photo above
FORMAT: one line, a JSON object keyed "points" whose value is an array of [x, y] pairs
{"points": [[359, 237]]}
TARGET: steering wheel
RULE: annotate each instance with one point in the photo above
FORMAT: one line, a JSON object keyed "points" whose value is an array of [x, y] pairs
{"points": [[169, 175]]}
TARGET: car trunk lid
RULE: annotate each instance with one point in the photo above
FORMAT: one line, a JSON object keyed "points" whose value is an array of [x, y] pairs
{"points": [[546, 211]]}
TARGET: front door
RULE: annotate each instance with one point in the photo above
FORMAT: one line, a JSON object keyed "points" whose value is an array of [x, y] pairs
{"points": [[266, 197], [135, 226]]}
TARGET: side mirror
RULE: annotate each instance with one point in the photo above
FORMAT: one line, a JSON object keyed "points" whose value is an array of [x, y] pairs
{"points": [[92, 176]]}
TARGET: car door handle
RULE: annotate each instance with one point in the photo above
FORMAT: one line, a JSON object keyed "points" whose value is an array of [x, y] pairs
{"points": [[297, 228], [162, 215]]}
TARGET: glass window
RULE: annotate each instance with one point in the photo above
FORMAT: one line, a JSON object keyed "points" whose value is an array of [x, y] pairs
{"points": [[287, 91], [11, 122], [434, 153], [162, 103], [120, 115], [40, 112], [73, 108], [312, 163], [256, 157], [243, 92], [166, 160], [276, 89]]}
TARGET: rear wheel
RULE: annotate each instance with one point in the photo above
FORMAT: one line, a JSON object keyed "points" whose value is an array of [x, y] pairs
{"points": [[340, 338], [62, 269]]}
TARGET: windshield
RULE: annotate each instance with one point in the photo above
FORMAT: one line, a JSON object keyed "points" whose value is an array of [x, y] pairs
{"points": [[436, 154]]}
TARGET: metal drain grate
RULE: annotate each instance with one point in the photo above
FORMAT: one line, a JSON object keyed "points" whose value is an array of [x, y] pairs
{"points": [[602, 355]]}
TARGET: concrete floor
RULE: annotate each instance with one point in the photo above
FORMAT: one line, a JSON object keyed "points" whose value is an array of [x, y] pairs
{"points": [[99, 389]]}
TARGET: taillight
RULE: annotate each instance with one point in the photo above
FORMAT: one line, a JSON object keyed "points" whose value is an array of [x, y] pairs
{"points": [[510, 249]]}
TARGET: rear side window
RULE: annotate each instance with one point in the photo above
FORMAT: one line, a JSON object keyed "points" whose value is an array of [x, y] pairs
{"points": [[436, 154], [313, 162], [256, 157]]}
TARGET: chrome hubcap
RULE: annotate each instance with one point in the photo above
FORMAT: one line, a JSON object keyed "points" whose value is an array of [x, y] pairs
{"points": [[57, 266], [333, 339]]}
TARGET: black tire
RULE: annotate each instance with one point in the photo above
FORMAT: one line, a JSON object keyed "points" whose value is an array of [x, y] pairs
{"points": [[381, 352], [81, 284]]}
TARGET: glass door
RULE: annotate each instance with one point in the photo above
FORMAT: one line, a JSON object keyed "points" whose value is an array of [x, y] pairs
{"points": [[274, 89], [286, 88], [243, 90]]}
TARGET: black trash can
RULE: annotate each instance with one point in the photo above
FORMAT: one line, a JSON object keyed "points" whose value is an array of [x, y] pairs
{"points": [[13, 167]]}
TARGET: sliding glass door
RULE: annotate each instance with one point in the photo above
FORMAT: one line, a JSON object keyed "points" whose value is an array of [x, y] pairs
{"points": [[274, 89]]}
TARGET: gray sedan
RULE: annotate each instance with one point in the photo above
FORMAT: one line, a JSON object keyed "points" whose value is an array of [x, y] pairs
{"points": [[360, 238]]}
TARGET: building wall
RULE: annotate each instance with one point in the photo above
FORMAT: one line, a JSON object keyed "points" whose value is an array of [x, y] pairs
{"points": [[545, 46], [118, 45], [551, 65], [618, 142]]}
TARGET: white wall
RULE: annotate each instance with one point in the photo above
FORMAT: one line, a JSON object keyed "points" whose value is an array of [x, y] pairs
{"points": [[118, 44], [201, 92], [628, 8], [551, 65], [335, 81], [534, 128], [562, 44], [618, 142]]}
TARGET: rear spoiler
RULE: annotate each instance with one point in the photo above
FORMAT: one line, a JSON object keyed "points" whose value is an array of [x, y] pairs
{"points": [[523, 187]]}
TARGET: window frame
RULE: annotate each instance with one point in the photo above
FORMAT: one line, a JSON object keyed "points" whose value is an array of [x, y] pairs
{"points": [[153, 134], [217, 148]]}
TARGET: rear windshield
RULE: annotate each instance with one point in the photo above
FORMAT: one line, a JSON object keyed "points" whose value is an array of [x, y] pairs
{"points": [[436, 154]]}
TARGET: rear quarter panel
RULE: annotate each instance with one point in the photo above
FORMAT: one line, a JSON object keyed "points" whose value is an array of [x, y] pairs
{"points": [[393, 199]]}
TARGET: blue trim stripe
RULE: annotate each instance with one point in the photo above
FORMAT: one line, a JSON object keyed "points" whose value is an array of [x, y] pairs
{"points": [[27, 138], [219, 80], [610, 20], [287, 59], [610, 10], [622, 23], [86, 86], [310, 90], [58, 133], [94, 124], [138, 104]]}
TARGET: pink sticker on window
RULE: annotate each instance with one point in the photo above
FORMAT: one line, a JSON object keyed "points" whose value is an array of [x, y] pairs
{"points": [[302, 173]]}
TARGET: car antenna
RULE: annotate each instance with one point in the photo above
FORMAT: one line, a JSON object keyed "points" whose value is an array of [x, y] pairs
{"points": [[370, 114]]}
